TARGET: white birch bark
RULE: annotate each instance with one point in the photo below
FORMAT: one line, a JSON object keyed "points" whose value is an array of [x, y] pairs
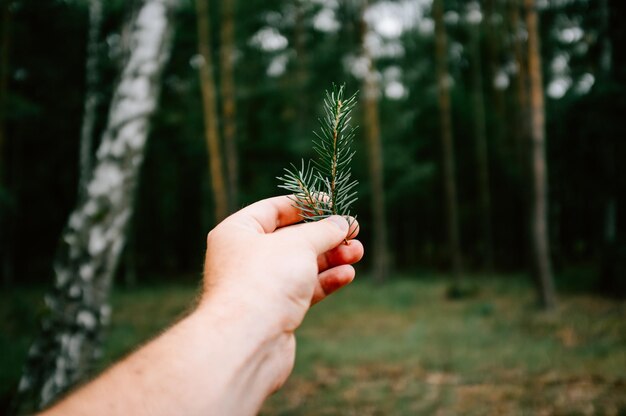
{"points": [[90, 246]]}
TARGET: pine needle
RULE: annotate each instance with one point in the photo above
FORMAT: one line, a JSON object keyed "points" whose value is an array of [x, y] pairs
{"points": [[324, 186]]}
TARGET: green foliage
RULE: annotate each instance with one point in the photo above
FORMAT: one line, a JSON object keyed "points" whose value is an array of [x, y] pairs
{"points": [[325, 186], [276, 111]]}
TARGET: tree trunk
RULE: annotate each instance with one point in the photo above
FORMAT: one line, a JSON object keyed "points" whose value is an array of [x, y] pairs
{"points": [[209, 101], [521, 90], [493, 29], [91, 243], [91, 97], [482, 159], [609, 275], [6, 267], [443, 86], [606, 59], [538, 165], [371, 123], [229, 119], [301, 75]]}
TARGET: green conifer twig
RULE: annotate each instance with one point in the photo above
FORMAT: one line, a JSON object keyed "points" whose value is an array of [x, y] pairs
{"points": [[324, 187]]}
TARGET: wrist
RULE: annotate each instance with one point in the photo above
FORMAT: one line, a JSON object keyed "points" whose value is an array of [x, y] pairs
{"points": [[251, 311], [256, 354]]}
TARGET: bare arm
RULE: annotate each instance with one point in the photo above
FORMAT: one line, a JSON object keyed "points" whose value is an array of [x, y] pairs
{"points": [[238, 346]]}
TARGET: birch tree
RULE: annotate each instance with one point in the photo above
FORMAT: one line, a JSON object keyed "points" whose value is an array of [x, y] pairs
{"points": [[77, 308]]}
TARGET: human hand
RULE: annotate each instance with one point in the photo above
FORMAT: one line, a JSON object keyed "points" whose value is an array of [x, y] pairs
{"points": [[260, 258], [264, 268]]}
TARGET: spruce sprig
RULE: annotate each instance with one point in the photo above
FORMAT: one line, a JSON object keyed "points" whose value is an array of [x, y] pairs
{"points": [[325, 187]]}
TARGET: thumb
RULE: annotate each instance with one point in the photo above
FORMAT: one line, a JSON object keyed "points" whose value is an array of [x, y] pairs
{"points": [[323, 235]]}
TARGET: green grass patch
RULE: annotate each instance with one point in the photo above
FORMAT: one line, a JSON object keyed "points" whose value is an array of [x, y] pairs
{"points": [[402, 348]]}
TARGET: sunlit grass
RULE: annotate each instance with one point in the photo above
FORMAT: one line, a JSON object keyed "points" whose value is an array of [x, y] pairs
{"points": [[402, 348]]}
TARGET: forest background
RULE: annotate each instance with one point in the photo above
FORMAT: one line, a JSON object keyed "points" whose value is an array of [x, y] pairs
{"points": [[489, 143]]}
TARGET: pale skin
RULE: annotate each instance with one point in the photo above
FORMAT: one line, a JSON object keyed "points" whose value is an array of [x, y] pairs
{"points": [[263, 271]]}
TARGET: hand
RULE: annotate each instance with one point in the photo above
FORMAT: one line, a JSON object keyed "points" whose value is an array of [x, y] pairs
{"points": [[261, 263], [258, 258]]}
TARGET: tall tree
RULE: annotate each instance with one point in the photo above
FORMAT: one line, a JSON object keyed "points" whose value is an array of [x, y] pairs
{"points": [[480, 136], [492, 26], [540, 246], [445, 114], [91, 96], [610, 274], [302, 65], [90, 247], [209, 105], [371, 127], [521, 86], [229, 119]]}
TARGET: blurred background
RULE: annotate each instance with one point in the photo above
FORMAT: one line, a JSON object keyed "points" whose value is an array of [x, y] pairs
{"points": [[491, 190]]}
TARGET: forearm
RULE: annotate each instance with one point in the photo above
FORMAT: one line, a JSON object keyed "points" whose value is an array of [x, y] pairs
{"points": [[211, 362], [262, 273]]}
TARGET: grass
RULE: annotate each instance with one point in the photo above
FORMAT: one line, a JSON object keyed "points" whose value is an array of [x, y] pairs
{"points": [[403, 349]]}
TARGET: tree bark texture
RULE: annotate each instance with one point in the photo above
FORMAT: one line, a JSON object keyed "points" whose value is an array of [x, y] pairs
{"points": [[538, 165], [209, 104], [482, 157], [90, 247], [229, 113], [91, 96], [371, 123], [445, 110]]}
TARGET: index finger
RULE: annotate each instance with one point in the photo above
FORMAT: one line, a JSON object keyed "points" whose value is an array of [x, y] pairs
{"points": [[269, 214]]}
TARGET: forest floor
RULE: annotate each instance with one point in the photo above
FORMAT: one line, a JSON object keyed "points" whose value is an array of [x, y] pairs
{"points": [[402, 348]]}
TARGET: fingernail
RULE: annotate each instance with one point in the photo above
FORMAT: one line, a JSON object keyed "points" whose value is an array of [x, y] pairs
{"points": [[339, 222]]}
